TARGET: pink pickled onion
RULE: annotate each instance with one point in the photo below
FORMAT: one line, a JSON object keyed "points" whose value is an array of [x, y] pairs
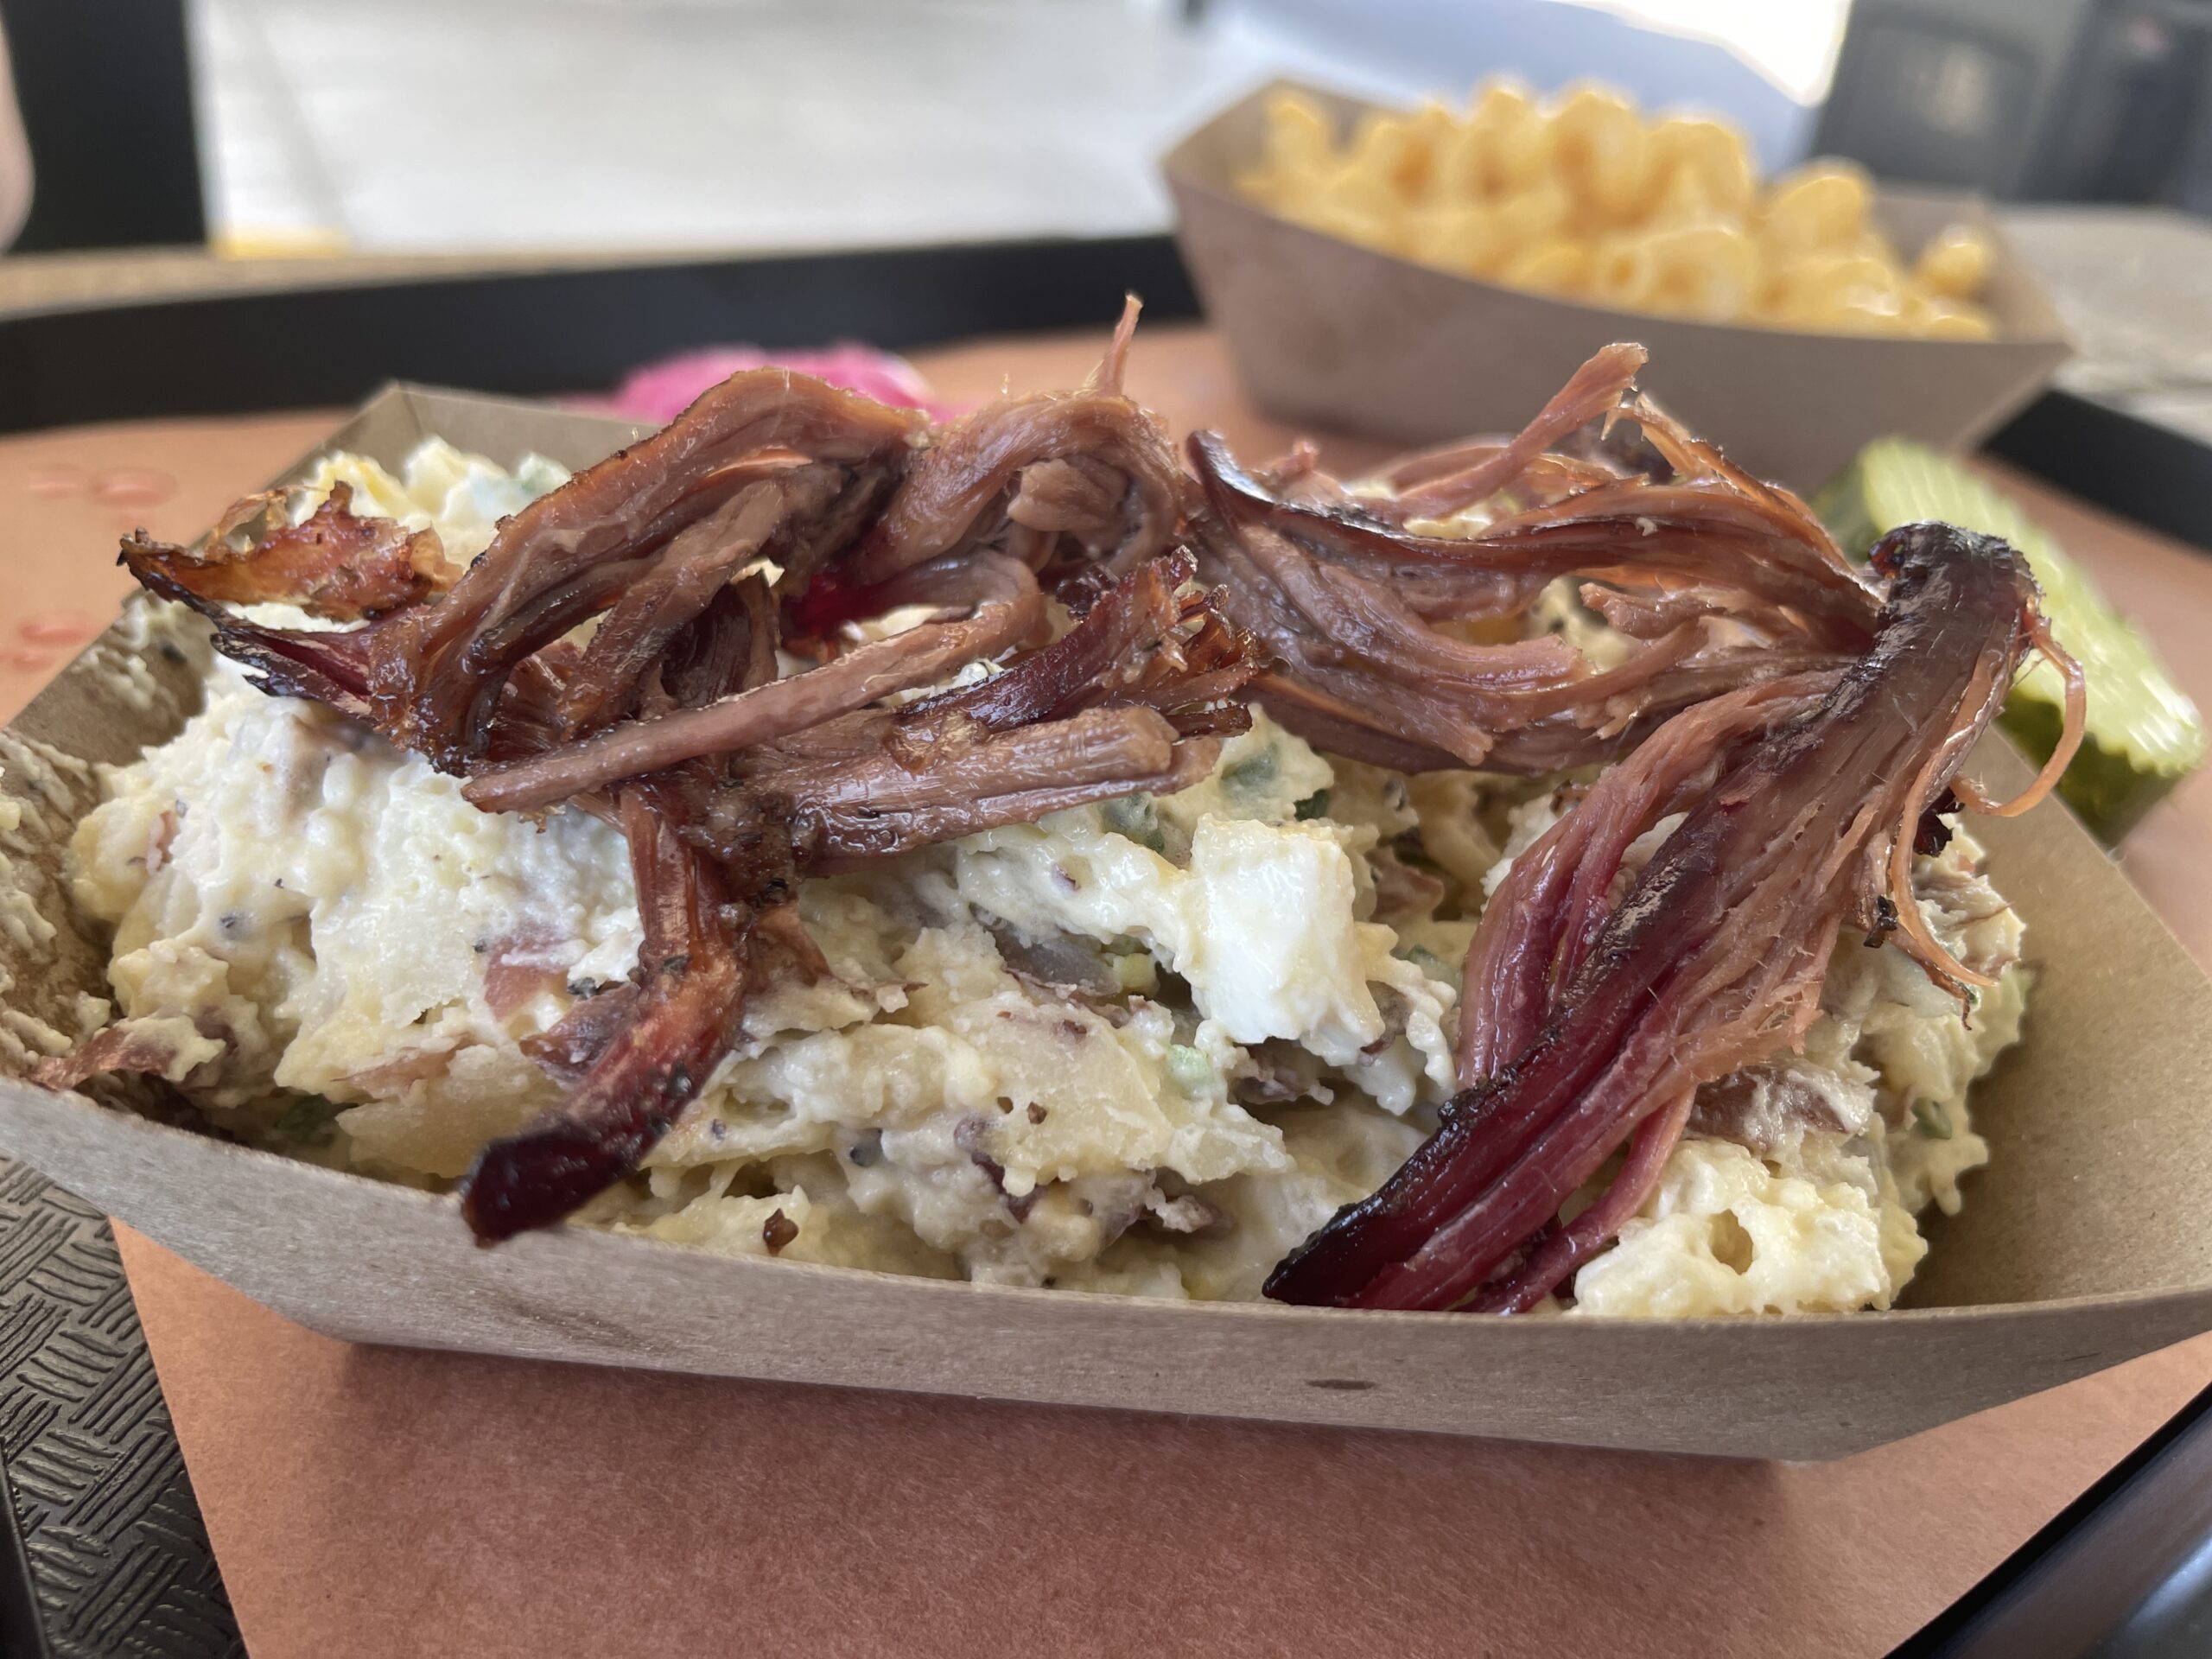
{"points": [[660, 391]]}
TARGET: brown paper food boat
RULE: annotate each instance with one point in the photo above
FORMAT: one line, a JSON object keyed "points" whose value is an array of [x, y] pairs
{"points": [[2086, 1242], [1327, 333]]}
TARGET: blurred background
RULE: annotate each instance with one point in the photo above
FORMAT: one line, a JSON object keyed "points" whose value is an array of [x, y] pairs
{"points": [[227, 207], [379, 126], [714, 122]]}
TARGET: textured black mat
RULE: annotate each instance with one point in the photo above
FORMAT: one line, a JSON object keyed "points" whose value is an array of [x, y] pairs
{"points": [[110, 1556]]}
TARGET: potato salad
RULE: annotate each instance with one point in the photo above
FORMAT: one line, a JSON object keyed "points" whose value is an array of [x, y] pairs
{"points": [[1146, 1045]]}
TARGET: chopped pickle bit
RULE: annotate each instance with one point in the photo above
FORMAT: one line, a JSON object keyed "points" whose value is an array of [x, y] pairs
{"points": [[1135, 816], [1315, 805], [308, 1121], [1929, 1118], [1251, 775], [1189, 1069]]}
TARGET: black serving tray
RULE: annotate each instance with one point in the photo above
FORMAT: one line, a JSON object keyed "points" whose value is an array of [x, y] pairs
{"points": [[103, 1552]]}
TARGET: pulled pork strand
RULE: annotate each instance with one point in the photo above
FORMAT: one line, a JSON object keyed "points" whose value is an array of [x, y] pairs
{"points": [[1539, 925], [1006, 606], [1720, 580], [1055, 479], [1556, 1253], [1750, 591], [698, 562], [768, 462], [153, 1047], [579, 548], [2073, 726], [1713, 959], [674, 1029], [1128, 699], [327, 666], [1594, 390], [332, 563]]}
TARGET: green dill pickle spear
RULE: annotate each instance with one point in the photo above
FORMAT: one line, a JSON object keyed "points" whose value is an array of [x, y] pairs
{"points": [[2144, 735]]}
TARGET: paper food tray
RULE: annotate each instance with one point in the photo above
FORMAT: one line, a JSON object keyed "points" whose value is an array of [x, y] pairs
{"points": [[1349, 338], [2086, 1242]]}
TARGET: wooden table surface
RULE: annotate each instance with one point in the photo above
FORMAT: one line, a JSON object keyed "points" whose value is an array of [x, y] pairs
{"points": [[841, 1522]]}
